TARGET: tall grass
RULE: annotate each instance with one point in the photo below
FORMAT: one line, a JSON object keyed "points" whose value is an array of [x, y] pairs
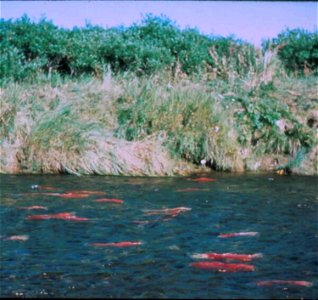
{"points": [[188, 119], [152, 126], [69, 128]]}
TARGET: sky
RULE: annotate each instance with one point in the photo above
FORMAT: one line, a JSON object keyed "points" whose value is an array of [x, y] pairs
{"points": [[251, 21]]}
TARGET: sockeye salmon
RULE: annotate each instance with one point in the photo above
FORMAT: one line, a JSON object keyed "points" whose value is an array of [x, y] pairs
{"points": [[59, 216], [66, 195], [290, 282], [168, 211], [73, 195], [228, 256], [32, 207], [17, 238], [191, 190], [110, 200], [118, 244], [202, 179], [229, 235], [87, 192]]}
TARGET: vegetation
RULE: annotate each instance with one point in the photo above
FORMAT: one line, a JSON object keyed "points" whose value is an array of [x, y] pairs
{"points": [[152, 99], [297, 49], [156, 44]]}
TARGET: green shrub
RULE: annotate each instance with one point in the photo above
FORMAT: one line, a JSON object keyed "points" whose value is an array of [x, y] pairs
{"points": [[258, 125], [155, 44], [297, 49]]}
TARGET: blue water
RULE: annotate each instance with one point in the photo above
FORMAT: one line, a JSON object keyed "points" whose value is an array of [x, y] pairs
{"points": [[57, 260]]}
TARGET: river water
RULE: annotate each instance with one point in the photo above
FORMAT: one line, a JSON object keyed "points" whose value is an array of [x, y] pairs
{"points": [[60, 258]]}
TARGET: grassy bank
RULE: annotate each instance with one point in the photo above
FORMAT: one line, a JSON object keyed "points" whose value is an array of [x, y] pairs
{"points": [[128, 125], [152, 99]]}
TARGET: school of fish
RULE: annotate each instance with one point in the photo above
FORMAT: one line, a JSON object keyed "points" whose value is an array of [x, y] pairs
{"points": [[220, 262]]}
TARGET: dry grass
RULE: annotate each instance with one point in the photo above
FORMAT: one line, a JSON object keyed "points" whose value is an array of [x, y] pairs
{"points": [[104, 155], [69, 129], [156, 126]]}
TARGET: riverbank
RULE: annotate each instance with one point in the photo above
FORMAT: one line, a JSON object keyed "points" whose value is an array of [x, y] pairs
{"points": [[156, 126]]}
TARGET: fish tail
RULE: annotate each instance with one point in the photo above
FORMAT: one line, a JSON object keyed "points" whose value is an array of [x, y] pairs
{"points": [[199, 256], [257, 255]]}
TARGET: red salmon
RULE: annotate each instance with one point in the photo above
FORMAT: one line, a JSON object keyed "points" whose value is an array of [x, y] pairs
{"points": [[38, 217], [47, 194], [229, 235], [228, 256], [77, 219], [58, 216], [223, 267], [191, 190], [73, 195], [45, 187], [119, 244], [290, 282], [32, 207], [142, 222], [167, 211], [17, 238], [202, 179], [42, 187], [110, 200], [87, 192], [66, 195]]}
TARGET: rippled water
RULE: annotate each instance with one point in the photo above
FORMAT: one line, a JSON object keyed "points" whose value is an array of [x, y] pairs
{"points": [[58, 260]]}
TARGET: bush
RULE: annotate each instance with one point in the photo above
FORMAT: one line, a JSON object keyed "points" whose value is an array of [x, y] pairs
{"points": [[155, 44], [298, 50], [258, 125]]}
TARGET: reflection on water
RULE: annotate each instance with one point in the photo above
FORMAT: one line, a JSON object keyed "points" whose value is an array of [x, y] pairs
{"points": [[140, 247]]}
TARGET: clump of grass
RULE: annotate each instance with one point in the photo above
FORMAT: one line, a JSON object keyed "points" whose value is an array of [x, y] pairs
{"points": [[112, 156], [271, 128], [305, 162], [91, 150], [57, 130], [189, 119], [15, 126], [53, 141]]}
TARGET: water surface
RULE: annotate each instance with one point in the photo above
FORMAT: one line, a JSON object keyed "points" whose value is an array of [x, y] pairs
{"points": [[58, 260]]}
